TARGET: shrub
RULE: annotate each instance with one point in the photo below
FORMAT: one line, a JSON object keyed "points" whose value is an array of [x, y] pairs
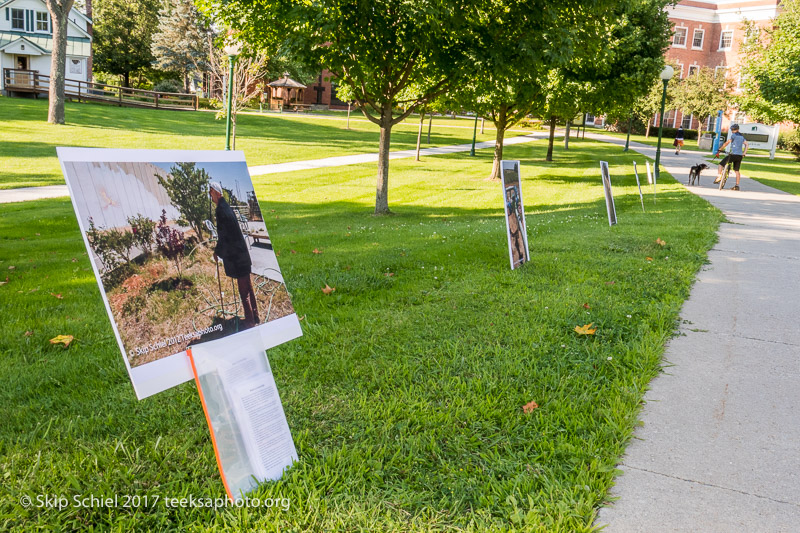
{"points": [[142, 229], [790, 140], [170, 242], [113, 246], [168, 86]]}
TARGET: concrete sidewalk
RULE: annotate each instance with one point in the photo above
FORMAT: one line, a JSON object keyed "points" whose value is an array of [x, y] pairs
{"points": [[55, 191], [719, 450]]}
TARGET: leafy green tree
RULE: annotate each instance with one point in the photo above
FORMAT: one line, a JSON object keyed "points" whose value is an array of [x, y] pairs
{"points": [[187, 188], [702, 94], [180, 44], [123, 34], [380, 49], [770, 70]]}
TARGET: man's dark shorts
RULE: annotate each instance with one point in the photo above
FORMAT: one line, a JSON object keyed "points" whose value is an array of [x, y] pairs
{"points": [[734, 159]]}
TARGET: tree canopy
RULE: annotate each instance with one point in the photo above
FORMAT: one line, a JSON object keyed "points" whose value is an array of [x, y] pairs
{"points": [[123, 33]]}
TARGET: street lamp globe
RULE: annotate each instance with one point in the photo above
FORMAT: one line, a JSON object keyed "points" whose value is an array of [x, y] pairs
{"points": [[233, 48], [667, 73]]}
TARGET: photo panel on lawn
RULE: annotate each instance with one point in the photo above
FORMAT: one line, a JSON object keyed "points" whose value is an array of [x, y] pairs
{"points": [[610, 207], [515, 214], [175, 269]]}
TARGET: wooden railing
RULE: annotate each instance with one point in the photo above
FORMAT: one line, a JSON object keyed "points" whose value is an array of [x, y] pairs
{"points": [[17, 80]]}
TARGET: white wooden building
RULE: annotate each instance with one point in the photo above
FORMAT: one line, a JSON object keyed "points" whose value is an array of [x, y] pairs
{"points": [[26, 41]]}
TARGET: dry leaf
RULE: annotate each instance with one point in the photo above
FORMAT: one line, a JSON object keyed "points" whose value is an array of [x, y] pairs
{"points": [[57, 295], [315, 251], [294, 251], [529, 407], [659, 241], [348, 267], [28, 333], [610, 282], [388, 274], [74, 260], [62, 339], [301, 318], [12, 267], [277, 253], [586, 329], [38, 234], [649, 258], [327, 289], [586, 306]]}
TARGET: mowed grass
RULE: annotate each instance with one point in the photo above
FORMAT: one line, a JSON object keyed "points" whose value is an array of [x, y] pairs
{"points": [[28, 154], [405, 393]]}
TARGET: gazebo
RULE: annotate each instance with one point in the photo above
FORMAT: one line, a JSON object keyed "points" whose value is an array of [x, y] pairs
{"points": [[281, 93]]}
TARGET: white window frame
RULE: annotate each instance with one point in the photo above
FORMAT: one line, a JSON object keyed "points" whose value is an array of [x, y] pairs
{"points": [[13, 9], [693, 69], [717, 69], [702, 38], [680, 74], [722, 38], [685, 36], [46, 22], [691, 119]]}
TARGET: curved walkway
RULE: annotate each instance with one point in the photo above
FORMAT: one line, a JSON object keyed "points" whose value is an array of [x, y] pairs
{"points": [[719, 450], [56, 191]]}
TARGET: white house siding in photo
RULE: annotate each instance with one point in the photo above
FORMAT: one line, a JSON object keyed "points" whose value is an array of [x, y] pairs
{"points": [[26, 39]]}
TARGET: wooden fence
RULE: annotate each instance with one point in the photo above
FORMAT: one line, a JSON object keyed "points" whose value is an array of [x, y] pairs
{"points": [[30, 81]]}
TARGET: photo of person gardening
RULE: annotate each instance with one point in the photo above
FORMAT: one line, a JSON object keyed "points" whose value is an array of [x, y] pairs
{"points": [[515, 214], [181, 250]]}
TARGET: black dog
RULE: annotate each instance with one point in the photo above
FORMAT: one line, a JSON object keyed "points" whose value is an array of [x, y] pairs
{"points": [[694, 173]]}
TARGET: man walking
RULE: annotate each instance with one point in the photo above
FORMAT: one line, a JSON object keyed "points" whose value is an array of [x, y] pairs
{"points": [[232, 249], [738, 151]]}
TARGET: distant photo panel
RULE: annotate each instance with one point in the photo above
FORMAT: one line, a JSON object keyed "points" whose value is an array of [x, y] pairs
{"points": [[515, 214]]}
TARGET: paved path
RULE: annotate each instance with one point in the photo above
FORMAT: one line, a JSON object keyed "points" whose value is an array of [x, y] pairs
{"points": [[719, 450], [55, 191]]}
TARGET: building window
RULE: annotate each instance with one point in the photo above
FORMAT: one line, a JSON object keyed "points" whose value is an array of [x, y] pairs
{"points": [[18, 19], [75, 66], [680, 70], [726, 40], [686, 122], [694, 69], [42, 21], [697, 39], [679, 39], [720, 71]]}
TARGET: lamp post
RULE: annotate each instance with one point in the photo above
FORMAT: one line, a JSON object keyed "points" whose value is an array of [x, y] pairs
{"points": [[232, 50], [666, 75]]}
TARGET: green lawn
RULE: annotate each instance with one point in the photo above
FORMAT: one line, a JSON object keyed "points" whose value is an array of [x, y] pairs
{"points": [[28, 155], [783, 174], [405, 393]]}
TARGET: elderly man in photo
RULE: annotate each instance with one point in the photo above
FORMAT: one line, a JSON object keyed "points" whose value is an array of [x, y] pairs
{"points": [[232, 249]]}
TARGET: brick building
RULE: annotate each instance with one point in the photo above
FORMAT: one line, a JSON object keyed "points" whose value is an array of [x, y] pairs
{"points": [[708, 33], [322, 92]]}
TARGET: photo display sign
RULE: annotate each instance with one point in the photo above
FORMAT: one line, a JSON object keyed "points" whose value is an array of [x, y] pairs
{"points": [[248, 426], [638, 184], [612, 210], [179, 247], [515, 214]]}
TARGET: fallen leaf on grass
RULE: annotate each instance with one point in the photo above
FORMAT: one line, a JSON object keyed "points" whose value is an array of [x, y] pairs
{"points": [[586, 329], [649, 258], [277, 253], [327, 289], [529, 407], [586, 306], [74, 260], [610, 282], [348, 267], [294, 251], [301, 318], [315, 251], [57, 295], [62, 339], [388, 274], [28, 333], [38, 234], [659, 241], [12, 267]]}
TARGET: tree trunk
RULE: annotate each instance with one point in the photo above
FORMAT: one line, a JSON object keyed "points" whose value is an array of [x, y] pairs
{"points": [[552, 136], [59, 11], [419, 131], [566, 136], [382, 192], [500, 127], [699, 131], [430, 123], [126, 79], [186, 82]]}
